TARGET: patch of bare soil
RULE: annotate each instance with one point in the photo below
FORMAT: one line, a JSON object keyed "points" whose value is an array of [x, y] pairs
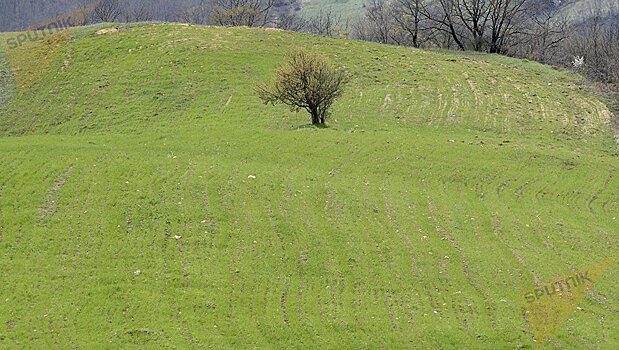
{"points": [[107, 30]]}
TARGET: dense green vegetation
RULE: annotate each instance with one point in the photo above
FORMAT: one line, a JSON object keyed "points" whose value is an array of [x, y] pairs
{"points": [[149, 199]]}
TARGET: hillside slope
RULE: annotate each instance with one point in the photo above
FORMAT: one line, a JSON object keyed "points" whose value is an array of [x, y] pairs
{"points": [[442, 188]]}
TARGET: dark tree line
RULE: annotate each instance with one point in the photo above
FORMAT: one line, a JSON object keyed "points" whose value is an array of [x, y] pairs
{"points": [[535, 29], [19, 14]]}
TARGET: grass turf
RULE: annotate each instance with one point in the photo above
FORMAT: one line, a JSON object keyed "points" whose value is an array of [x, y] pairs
{"points": [[442, 187]]}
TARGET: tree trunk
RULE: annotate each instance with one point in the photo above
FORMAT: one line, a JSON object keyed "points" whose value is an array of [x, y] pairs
{"points": [[315, 115]]}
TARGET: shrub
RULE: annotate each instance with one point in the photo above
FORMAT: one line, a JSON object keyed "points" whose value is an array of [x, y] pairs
{"points": [[306, 81]]}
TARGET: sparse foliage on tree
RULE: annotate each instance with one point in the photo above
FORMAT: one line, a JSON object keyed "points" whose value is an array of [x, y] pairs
{"points": [[306, 81]]}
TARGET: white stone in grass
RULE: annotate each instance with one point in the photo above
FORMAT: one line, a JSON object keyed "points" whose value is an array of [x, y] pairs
{"points": [[251, 177], [177, 237], [137, 272]]}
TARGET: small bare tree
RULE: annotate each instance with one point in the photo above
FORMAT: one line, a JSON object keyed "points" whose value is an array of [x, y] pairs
{"points": [[292, 22], [327, 23], [408, 18], [307, 81], [107, 11], [195, 14], [251, 13], [138, 14]]}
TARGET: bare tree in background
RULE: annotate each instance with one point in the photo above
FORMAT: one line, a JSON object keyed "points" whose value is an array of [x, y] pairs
{"points": [[138, 14], [107, 11], [378, 24], [252, 13], [505, 21], [480, 25], [409, 18], [545, 30], [327, 23], [195, 14], [292, 22], [443, 15], [597, 41]]}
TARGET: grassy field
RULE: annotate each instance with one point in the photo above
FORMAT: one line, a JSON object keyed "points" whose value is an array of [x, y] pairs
{"points": [[443, 186]]}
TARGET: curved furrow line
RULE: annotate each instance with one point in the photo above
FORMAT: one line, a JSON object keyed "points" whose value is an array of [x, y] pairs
{"points": [[394, 227], [51, 197], [520, 190], [75, 231], [193, 200], [546, 240], [459, 313], [163, 226], [252, 314], [81, 240], [247, 219], [495, 222], [395, 325], [207, 221], [370, 214], [410, 248], [100, 229], [358, 266], [384, 230], [600, 191], [1, 215], [417, 268], [570, 332], [227, 204], [376, 264], [475, 227], [235, 267], [465, 269], [283, 260], [286, 290], [411, 324], [91, 202]]}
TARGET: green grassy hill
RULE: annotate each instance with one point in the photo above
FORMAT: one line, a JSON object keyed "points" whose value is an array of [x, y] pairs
{"points": [[443, 187]]}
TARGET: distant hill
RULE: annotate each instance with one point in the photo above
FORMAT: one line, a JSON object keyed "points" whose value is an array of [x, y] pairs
{"points": [[343, 8], [581, 10]]}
